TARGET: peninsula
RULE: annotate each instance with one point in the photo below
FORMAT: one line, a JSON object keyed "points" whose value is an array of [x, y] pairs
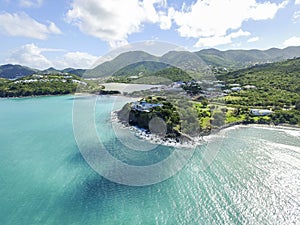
{"points": [[263, 94]]}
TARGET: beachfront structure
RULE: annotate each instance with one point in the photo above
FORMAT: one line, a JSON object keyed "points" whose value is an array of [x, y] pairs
{"points": [[227, 91], [26, 81], [260, 112], [219, 85], [236, 89], [144, 106], [79, 82], [234, 85], [177, 84], [249, 87]]}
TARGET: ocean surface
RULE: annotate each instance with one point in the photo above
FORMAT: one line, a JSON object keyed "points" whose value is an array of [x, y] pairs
{"points": [[242, 175]]}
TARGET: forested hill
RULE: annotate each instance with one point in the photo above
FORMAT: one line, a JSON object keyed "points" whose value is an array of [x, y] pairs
{"points": [[283, 75], [192, 62], [242, 58], [108, 68], [10, 71], [197, 61], [272, 86], [46, 84], [158, 76], [141, 68]]}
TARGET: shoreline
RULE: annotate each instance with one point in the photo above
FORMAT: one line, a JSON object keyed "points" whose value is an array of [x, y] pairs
{"points": [[202, 138], [36, 96], [235, 124], [72, 94], [163, 140], [155, 139], [257, 125]]}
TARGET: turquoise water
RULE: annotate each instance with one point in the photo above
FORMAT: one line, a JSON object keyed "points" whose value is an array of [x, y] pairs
{"points": [[254, 178]]}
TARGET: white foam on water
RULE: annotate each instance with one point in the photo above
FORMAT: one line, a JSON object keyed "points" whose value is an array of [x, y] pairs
{"points": [[292, 131], [277, 151]]}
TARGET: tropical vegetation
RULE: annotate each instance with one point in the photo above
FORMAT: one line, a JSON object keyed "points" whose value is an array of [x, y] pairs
{"points": [[46, 84]]}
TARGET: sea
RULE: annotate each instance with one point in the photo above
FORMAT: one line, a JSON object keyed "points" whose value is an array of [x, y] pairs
{"points": [[240, 175]]}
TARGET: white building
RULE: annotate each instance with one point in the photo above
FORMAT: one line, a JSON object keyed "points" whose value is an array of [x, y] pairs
{"points": [[236, 89], [260, 112]]}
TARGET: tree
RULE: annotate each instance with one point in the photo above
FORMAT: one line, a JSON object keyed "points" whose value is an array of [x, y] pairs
{"points": [[297, 105], [218, 119]]}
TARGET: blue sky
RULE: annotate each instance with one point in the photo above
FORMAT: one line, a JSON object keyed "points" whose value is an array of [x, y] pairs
{"points": [[75, 33]]}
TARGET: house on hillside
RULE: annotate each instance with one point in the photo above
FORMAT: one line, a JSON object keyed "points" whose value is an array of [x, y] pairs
{"points": [[144, 106], [236, 89], [247, 87], [79, 82], [234, 85], [177, 84], [260, 112]]}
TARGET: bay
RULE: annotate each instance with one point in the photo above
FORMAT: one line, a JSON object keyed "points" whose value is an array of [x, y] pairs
{"points": [[252, 178]]}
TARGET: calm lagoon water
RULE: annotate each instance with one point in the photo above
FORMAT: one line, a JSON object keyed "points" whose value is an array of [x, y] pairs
{"points": [[254, 179]]}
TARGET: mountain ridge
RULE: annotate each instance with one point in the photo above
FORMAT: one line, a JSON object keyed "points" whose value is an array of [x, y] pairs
{"points": [[241, 58], [192, 62]]}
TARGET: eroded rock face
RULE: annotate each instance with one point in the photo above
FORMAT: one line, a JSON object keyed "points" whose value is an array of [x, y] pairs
{"points": [[162, 119], [140, 119]]}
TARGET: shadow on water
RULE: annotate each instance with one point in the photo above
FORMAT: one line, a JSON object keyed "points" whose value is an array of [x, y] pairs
{"points": [[96, 194], [76, 158], [91, 191], [90, 96], [83, 97]]}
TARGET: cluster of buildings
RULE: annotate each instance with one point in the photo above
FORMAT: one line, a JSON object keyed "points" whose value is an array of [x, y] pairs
{"points": [[260, 112], [47, 78], [144, 106], [207, 89]]}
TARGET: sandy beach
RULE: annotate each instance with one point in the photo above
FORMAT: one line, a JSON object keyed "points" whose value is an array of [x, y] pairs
{"points": [[129, 88], [202, 138]]}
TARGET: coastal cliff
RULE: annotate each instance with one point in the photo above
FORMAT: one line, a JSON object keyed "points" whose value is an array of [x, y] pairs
{"points": [[154, 115]]}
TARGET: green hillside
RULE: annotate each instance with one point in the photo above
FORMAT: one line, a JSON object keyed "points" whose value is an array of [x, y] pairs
{"points": [[141, 68], [277, 87], [110, 67], [241, 58], [283, 76], [42, 84], [162, 76], [10, 71], [174, 74], [78, 72], [197, 64], [188, 61]]}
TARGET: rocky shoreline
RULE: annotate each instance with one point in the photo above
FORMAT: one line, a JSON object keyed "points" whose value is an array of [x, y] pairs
{"points": [[191, 142], [156, 139]]}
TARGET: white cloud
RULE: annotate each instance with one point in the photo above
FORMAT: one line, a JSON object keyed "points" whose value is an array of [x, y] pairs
{"points": [[213, 41], [113, 21], [20, 24], [31, 3], [221, 40], [239, 33], [213, 18], [30, 55], [293, 41], [53, 28], [81, 60], [296, 16], [33, 56], [166, 19], [297, 2], [253, 39], [203, 19], [266, 10]]}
